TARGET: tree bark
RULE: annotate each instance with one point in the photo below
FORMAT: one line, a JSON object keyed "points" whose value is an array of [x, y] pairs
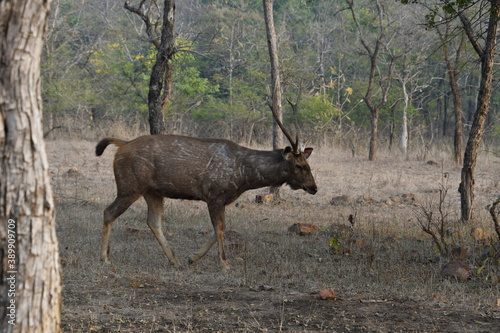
{"points": [[162, 71], [372, 154], [404, 125], [276, 81], [486, 54], [457, 102], [30, 288], [385, 83], [160, 84], [275, 72]]}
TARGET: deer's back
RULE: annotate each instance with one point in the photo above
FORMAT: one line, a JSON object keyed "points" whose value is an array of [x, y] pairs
{"points": [[177, 166]]}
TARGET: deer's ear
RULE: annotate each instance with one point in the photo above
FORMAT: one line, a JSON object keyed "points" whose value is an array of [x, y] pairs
{"points": [[287, 153], [308, 152]]}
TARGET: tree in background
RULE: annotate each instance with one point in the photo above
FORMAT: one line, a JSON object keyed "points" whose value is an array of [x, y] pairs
{"points": [[27, 221], [275, 80], [486, 53], [321, 59], [160, 84], [453, 69], [473, 19], [384, 82], [276, 97]]}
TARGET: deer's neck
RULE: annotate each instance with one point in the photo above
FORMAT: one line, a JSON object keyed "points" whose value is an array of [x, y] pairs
{"points": [[263, 168]]}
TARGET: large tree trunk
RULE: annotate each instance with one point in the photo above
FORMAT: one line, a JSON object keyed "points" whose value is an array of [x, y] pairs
{"points": [[30, 288], [487, 55], [276, 80]]}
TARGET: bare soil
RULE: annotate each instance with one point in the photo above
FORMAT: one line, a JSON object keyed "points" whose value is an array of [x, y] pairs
{"points": [[180, 308], [386, 271]]}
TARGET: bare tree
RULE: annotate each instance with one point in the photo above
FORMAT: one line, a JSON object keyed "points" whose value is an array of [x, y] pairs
{"points": [[30, 288], [453, 71], [160, 84], [486, 54], [405, 78], [275, 78], [384, 82], [275, 72], [485, 17]]}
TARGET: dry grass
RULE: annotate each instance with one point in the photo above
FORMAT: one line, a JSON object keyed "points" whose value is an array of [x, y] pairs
{"points": [[398, 263]]}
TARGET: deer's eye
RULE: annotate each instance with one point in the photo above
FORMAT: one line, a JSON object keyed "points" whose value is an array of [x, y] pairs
{"points": [[298, 167]]}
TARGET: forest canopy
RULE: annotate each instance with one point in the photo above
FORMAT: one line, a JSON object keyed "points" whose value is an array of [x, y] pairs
{"points": [[97, 62]]}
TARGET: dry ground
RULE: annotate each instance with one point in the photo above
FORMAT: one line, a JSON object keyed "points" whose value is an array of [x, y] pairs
{"points": [[389, 281]]}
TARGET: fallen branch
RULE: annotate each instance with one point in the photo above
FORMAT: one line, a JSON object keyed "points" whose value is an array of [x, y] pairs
{"points": [[46, 134]]}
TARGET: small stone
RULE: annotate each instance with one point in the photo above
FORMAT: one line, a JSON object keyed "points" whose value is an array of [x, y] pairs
{"points": [[264, 198], [456, 269], [460, 253], [340, 200], [328, 294], [478, 234], [302, 229]]}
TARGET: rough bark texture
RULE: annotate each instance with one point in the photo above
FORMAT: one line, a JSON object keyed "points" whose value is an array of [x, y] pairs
{"points": [[276, 80], [275, 72], [162, 71], [160, 83], [25, 194], [487, 56], [452, 69]]}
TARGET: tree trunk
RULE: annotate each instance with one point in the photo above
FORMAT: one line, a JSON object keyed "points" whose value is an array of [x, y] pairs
{"points": [[275, 72], [276, 81], [30, 288], [487, 54], [372, 154], [162, 71], [457, 102], [404, 125], [160, 83], [385, 83]]}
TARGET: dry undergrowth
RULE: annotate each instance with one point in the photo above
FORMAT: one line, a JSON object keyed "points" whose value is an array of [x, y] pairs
{"points": [[385, 257]]}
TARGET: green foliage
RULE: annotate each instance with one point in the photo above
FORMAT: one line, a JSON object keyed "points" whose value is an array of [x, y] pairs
{"points": [[123, 74], [448, 7], [213, 110], [334, 243], [317, 110], [189, 83], [96, 57]]}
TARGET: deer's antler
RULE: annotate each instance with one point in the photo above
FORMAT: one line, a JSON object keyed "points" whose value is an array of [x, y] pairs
{"points": [[295, 145]]}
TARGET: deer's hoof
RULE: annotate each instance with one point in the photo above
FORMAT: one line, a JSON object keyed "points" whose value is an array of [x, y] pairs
{"points": [[105, 261], [225, 266]]}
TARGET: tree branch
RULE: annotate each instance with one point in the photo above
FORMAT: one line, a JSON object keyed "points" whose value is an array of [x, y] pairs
{"points": [[470, 34], [147, 21]]}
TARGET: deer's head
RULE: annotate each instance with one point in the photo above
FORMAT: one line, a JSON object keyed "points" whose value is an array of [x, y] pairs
{"points": [[299, 170]]}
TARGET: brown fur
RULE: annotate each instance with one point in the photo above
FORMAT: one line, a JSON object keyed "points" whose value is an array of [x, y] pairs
{"points": [[212, 170]]}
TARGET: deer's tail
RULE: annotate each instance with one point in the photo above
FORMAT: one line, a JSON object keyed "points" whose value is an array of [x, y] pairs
{"points": [[99, 149]]}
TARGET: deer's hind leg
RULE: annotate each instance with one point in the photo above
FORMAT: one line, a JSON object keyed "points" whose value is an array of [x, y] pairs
{"points": [[111, 213], [155, 212]]}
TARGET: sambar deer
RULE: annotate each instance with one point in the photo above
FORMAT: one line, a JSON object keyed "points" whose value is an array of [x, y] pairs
{"points": [[216, 171]]}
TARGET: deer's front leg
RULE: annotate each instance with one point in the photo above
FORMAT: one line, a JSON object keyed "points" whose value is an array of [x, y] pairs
{"points": [[217, 215]]}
